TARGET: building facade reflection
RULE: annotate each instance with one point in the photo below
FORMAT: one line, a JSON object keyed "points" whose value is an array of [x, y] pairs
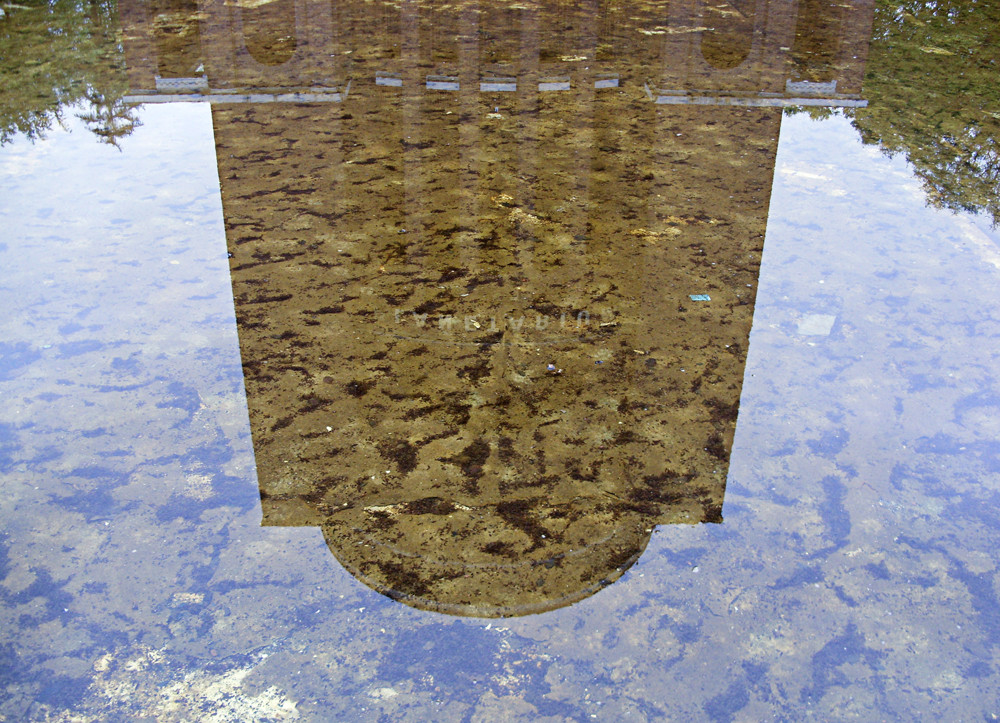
{"points": [[494, 297]]}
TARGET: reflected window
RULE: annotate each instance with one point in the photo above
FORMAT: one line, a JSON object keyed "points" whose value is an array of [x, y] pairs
{"points": [[818, 31], [500, 34], [178, 38], [727, 42], [381, 30], [269, 30], [609, 22], [441, 37]]}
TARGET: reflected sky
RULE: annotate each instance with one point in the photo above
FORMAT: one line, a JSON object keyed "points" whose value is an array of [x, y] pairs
{"points": [[854, 570], [855, 560]]}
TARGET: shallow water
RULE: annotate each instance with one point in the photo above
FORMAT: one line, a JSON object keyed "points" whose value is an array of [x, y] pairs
{"points": [[501, 362]]}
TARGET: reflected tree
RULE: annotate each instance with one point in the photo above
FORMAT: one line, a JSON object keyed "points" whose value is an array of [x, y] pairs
{"points": [[58, 54], [109, 117], [934, 96]]}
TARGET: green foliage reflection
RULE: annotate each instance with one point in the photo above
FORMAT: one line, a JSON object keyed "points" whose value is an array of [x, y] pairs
{"points": [[57, 54], [934, 95]]}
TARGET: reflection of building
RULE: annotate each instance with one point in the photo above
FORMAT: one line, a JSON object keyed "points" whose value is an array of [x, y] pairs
{"points": [[494, 305], [753, 52], [763, 53]]}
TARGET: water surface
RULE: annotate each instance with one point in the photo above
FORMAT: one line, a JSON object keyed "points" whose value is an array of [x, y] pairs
{"points": [[520, 362]]}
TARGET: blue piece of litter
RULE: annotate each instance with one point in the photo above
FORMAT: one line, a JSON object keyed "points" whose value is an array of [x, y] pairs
{"points": [[700, 297], [552, 367]]}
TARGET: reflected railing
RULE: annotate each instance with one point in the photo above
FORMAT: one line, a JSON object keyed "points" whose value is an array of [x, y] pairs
{"points": [[759, 53]]}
